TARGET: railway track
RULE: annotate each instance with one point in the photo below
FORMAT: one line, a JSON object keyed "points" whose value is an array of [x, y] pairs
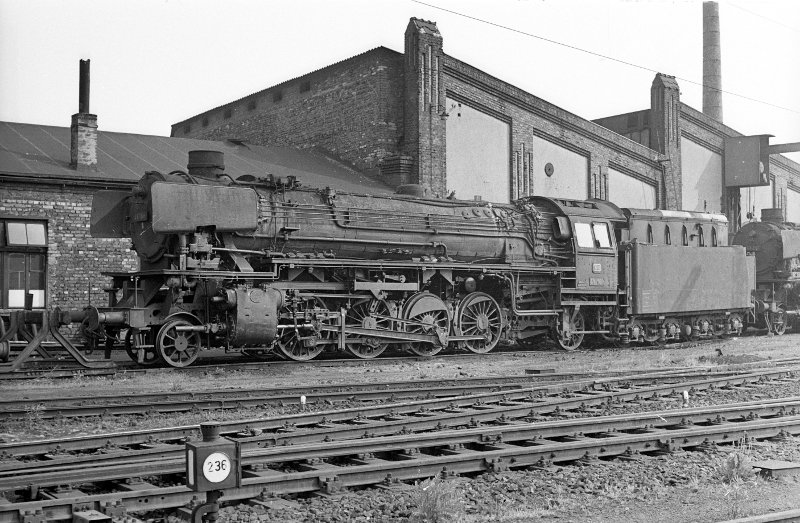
{"points": [[331, 466], [48, 407], [61, 369], [515, 431]]}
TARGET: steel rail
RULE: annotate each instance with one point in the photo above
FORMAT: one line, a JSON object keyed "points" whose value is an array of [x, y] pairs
{"points": [[176, 402], [524, 397], [774, 517], [504, 413], [409, 460], [170, 461]]}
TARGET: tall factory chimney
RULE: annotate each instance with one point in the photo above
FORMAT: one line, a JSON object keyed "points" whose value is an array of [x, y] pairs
{"points": [[712, 62], [83, 131]]}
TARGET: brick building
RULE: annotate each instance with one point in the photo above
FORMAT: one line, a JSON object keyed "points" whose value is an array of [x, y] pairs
{"points": [[48, 176], [426, 117]]}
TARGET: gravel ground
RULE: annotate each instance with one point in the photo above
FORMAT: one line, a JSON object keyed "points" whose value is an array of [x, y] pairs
{"points": [[686, 486]]}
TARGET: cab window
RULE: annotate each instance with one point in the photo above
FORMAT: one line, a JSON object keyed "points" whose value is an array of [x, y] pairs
{"points": [[601, 235], [583, 233], [593, 236]]}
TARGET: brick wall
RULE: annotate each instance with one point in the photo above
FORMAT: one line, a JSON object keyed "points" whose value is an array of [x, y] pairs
{"points": [[74, 259], [710, 134], [531, 116], [352, 109]]}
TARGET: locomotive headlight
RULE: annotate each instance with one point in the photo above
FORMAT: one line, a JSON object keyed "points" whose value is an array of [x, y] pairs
{"points": [[470, 284]]}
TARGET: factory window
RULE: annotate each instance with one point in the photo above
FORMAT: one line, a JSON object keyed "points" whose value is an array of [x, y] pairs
{"points": [[685, 236], [228, 112], [187, 129], [650, 233], [667, 236], [701, 240], [277, 96], [305, 87], [23, 262], [251, 105], [205, 121], [714, 237]]}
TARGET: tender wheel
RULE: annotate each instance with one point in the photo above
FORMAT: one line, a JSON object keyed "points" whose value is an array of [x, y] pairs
{"points": [[293, 341], [372, 314], [565, 336], [479, 315], [178, 348], [636, 330], [428, 315], [673, 328], [136, 340]]}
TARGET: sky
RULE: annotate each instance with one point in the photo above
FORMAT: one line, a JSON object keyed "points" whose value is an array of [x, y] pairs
{"points": [[158, 62]]}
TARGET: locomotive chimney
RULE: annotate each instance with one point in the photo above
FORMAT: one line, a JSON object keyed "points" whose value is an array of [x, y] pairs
{"points": [[83, 131], [206, 164], [712, 62], [772, 215]]}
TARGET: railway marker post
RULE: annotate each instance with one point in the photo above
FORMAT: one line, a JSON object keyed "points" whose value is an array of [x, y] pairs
{"points": [[212, 465]]}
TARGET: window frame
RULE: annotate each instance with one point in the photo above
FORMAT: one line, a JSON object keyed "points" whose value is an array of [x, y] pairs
{"points": [[580, 235], [31, 253]]}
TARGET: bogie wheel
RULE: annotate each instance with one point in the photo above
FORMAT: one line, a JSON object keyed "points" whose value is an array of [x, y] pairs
{"points": [[705, 326], [778, 321], [636, 330], [292, 342], [369, 314], [479, 315], [428, 314], [735, 325], [141, 340], [672, 328], [178, 348], [565, 337]]}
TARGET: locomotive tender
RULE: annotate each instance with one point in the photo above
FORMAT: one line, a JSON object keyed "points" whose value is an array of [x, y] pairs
{"points": [[259, 265]]}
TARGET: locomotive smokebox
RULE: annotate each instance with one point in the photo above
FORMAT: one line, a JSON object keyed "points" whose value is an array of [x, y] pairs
{"points": [[772, 215], [206, 164]]}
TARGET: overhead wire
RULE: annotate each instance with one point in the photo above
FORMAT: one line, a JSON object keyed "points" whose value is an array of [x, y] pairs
{"points": [[599, 55], [796, 30]]}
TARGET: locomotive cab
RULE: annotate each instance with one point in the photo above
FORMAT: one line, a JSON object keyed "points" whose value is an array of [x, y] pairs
{"points": [[589, 226]]}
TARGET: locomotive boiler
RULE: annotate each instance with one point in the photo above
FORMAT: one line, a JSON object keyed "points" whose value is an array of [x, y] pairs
{"points": [[266, 266], [776, 247]]}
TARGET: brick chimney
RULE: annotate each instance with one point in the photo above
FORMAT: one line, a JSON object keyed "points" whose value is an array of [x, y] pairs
{"points": [[712, 62], [83, 131]]}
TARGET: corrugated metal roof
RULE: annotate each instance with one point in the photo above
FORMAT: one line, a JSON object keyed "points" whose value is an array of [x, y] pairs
{"points": [[42, 152]]}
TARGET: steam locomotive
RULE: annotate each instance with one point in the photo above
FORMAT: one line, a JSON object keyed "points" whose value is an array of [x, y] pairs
{"points": [[266, 266], [776, 247]]}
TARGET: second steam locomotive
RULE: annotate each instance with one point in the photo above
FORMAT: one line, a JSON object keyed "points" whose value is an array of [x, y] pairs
{"points": [[263, 266]]}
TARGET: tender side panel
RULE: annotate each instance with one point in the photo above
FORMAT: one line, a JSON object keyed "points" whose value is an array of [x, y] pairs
{"points": [[181, 208], [670, 280]]}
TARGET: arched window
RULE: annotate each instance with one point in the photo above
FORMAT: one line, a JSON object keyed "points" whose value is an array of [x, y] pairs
{"points": [[667, 237], [713, 236], [685, 236], [701, 240], [649, 233]]}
